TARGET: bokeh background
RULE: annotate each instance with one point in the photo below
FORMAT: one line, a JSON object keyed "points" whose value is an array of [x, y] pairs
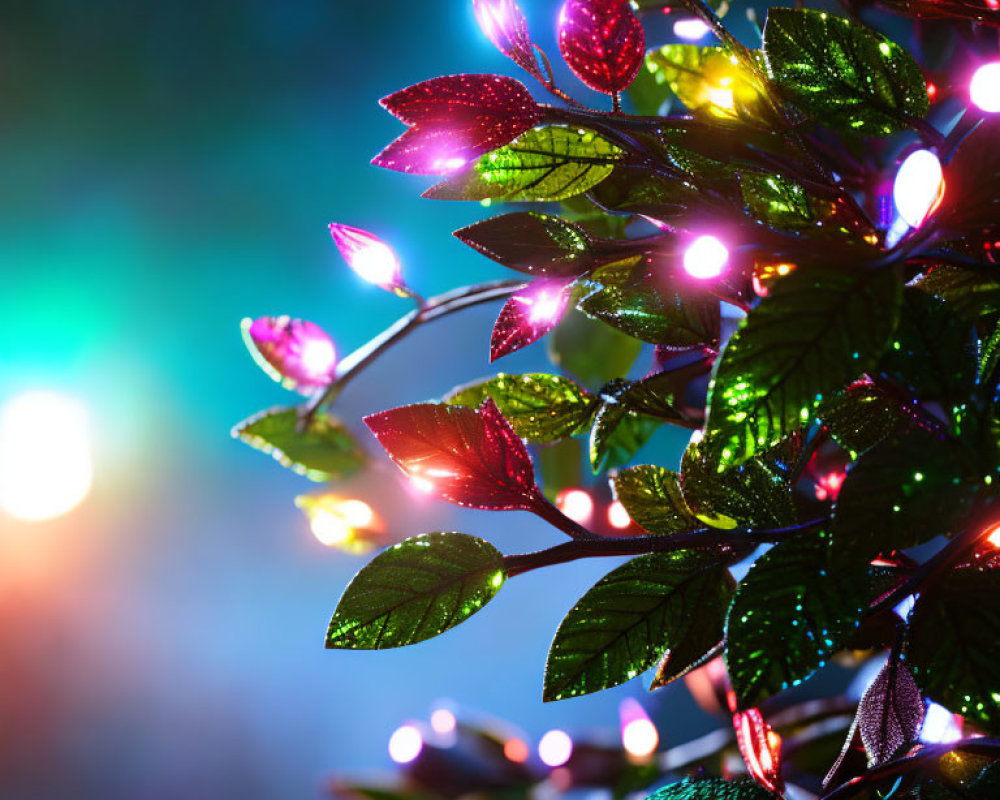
{"points": [[167, 169]]}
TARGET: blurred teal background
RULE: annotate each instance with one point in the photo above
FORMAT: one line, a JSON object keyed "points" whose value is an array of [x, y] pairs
{"points": [[169, 168]]}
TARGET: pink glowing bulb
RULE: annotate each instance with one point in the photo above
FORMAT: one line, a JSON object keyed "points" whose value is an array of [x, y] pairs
{"points": [[984, 89], [405, 744], [504, 24], [298, 354], [705, 258], [370, 257], [639, 735], [546, 306], [576, 504], [618, 516]]}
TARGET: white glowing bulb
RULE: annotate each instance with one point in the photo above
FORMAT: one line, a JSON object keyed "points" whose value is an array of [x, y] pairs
{"points": [[918, 187], [639, 738], [939, 726], [555, 748], [376, 263], [576, 504], [46, 464], [690, 29], [357, 513], [318, 357], [618, 516], [705, 258], [984, 89], [405, 744], [545, 308], [443, 721]]}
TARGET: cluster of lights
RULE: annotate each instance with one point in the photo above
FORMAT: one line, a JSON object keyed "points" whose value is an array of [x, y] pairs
{"points": [[578, 504], [828, 486], [344, 523]]}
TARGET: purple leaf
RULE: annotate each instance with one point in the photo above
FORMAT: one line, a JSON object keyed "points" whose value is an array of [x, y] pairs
{"points": [[891, 712], [528, 316], [602, 41], [504, 24]]}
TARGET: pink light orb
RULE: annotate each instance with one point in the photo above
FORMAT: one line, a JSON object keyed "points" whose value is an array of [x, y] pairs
{"points": [[371, 258], [705, 258], [405, 744], [984, 88], [297, 353], [443, 721], [639, 735], [555, 748], [618, 516], [546, 306], [576, 504]]}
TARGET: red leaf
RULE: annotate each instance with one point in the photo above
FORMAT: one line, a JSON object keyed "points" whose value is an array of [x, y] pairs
{"points": [[454, 120], [469, 457], [528, 316], [603, 43], [760, 747], [891, 712], [504, 24]]}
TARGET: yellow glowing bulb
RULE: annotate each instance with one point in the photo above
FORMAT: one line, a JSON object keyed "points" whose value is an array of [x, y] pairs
{"points": [[357, 513], [46, 465], [993, 536], [330, 528]]}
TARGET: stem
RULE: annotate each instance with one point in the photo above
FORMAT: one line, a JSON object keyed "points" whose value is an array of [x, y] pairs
{"points": [[550, 80], [902, 766], [435, 308], [551, 514], [640, 545]]}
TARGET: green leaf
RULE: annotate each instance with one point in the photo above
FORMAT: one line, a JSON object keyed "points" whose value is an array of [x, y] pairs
{"points": [[989, 356], [617, 435], [706, 79], [591, 351], [539, 407], [933, 354], [972, 293], [627, 296], [664, 394], [653, 498], [561, 467], [903, 492], [783, 203], [818, 330], [415, 590], [796, 607], [755, 494], [842, 73], [713, 789], [548, 163], [954, 644], [323, 451], [661, 601], [861, 416]]}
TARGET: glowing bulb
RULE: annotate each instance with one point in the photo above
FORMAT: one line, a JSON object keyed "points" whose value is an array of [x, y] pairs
{"points": [[639, 735], [405, 744], [576, 504], [516, 750], [422, 485], [705, 258], [371, 258], [318, 357], [918, 188], [984, 89], [357, 513], [993, 536], [940, 726], [330, 529], [46, 465], [691, 30], [443, 721], [295, 352], [618, 516], [545, 307], [555, 748]]}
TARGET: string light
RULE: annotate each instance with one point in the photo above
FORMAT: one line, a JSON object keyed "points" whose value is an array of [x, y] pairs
{"points": [[555, 748], [576, 504], [984, 88], [405, 744], [691, 30], [46, 466], [618, 516], [705, 258], [443, 721], [639, 735], [371, 258], [918, 188]]}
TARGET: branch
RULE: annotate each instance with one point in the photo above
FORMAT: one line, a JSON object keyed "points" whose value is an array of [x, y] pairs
{"points": [[641, 545], [435, 308]]}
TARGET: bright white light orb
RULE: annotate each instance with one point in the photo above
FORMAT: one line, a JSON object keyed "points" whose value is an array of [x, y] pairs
{"points": [[555, 748], [576, 504], [357, 513], [318, 357], [918, 188], [443, 721], [939, 726], [46, 463], [618, 516], [639, 738], [690, 30], [984, 89], [405, 744], [545, 307], [376, 263], [705, 258], [330, 529]]}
